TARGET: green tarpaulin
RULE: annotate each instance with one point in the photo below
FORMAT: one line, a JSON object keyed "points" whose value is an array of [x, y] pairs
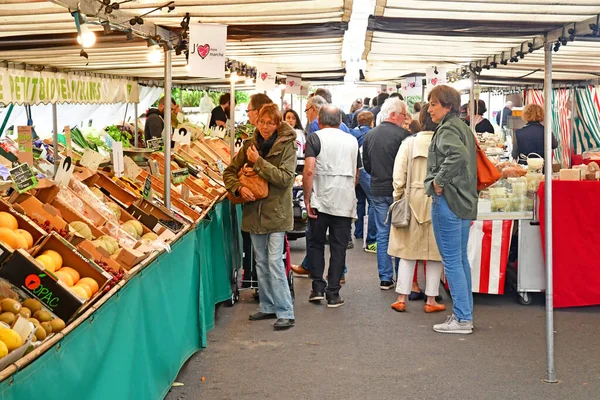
{"points": [[133, 346]]}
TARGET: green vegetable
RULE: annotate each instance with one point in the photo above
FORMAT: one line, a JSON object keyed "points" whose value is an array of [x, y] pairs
{"points": [[78, 138], [118, 135], [96, 142]]}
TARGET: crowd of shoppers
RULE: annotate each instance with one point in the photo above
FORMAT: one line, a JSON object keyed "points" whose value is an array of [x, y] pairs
{"points": [[357, 169]]}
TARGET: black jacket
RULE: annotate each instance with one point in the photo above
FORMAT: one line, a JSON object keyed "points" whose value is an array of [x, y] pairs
{"points": [[506, 112], [355, 117], [379, 153], [375, 110], [154, 124], [530, 139]]}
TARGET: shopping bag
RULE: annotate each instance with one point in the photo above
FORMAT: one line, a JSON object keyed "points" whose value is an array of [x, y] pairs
{"points": [[487, 173]]}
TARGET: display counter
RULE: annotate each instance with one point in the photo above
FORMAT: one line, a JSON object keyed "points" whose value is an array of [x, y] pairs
{"points": [[134, 342]]}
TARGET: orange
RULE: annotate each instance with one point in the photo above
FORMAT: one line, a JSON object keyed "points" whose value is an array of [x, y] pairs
{"points": [[81, 292], [91, 283], [86, 288], [7, 220], [21, 242], [58, 261], [8, 237], [65, 277], [46, 262], [26, 235], [74, 274]]}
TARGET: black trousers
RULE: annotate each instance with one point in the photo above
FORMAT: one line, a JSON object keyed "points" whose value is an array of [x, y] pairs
{"points": [[339, 236]]}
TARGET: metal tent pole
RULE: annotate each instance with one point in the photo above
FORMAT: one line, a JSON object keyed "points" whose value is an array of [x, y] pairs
{"points": [[167, 130], [135, 125], [551, 378], [489, 105], [472, 102], [55, 137], [232, 118], [573, 114]]}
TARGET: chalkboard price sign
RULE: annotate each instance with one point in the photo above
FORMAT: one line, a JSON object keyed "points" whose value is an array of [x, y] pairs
{"points": [[180, 175], [147, 188], [155, 144], [23, 178]]}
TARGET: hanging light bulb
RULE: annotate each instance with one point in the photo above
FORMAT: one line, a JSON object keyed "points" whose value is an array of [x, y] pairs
{"points": [[86, 38], [154, 54]]}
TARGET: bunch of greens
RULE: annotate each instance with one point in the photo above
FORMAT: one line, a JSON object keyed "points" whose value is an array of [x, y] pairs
{"points": [[117, 133]]}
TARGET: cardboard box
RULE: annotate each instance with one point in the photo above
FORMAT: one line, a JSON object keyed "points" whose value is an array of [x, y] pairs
{"points": [[24, 222], [88, 249], [33, 208], [70, 214], [85, 175], [570, 174], [129, 258], [114, 190], [151, 214]]}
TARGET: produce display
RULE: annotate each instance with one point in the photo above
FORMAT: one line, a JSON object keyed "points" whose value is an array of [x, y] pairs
{"points": [[63, 245]]}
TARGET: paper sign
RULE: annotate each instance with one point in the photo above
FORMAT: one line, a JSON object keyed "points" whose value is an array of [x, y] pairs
{"points": [[207, 50], [131, 168], [25, 141], [180, 175], [155, 144], [265, 76], [91, 159], [293, 84], [220, 166], [118, 164], [390, 88], [23, 178], [414, 86], [69, 141], [434, 79], [148, 188], [304, 89], [64, 172], [181, 136]]}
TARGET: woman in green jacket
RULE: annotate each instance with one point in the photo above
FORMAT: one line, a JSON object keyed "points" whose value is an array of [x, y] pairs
{"points": [[272, 155], [452, 183]]}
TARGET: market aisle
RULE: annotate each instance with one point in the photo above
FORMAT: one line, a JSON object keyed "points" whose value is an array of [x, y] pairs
{"points": [[365, 350]]}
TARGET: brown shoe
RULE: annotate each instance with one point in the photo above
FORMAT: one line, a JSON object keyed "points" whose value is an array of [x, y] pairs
{"points": [[299, 270], [399, 306], [430, 308], [342, 281]]}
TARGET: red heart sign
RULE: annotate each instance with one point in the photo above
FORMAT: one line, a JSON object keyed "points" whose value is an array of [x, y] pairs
{"points": [[203, 51], [291, 83], [263, 76], [391, 89], [434, 81], [412, 84]]}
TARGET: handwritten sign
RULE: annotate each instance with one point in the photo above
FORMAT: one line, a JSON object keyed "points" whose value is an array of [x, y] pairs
{"points": [[25, 141], [91, 159], [69, 141], [147, 188], [181, 136], [64, 172], [155, 144], [180, 175], [23, 178]]}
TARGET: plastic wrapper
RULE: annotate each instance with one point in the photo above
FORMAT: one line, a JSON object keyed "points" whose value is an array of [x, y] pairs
{"points": [[69, 197], [92, 200]]}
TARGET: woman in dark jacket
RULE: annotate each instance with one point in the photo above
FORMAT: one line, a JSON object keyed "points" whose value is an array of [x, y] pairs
{"points": [[272, 155], [530, 138], [482, 124]]}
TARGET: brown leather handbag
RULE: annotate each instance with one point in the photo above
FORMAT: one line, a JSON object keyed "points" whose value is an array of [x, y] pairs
{"points": [[487, 173], [250, 179]]}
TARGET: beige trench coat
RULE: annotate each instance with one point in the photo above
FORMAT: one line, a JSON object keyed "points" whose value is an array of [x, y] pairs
{"points": [[416, 241]]}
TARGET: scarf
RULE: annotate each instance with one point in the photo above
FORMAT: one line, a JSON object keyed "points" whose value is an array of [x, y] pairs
{"points": [[264, 146]]}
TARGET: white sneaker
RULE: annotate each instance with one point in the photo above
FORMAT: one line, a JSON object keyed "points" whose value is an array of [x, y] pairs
{"points": [[452, 325]]}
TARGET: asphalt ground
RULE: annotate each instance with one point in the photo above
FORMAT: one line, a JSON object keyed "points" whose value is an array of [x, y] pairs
{"points": [[365, 350]]}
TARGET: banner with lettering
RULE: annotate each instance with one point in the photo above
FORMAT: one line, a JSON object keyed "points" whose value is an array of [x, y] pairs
{"points": [[31, 87], [207, 50]]}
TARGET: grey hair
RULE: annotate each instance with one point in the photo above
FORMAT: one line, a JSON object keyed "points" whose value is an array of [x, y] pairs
{"points": [[330, 116], [317, 102], [508, 104], [393, 105]]}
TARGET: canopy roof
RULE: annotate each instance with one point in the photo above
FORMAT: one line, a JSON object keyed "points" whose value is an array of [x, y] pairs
{"points": [[408, 36], [293, 34]]}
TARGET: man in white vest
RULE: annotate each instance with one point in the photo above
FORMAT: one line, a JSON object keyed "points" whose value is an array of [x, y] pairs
{"points": [[330, 175]]}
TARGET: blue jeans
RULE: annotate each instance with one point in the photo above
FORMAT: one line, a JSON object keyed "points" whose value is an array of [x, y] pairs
{"points": [[274, 291], [381, 205], [363, 196], [452, 235]]}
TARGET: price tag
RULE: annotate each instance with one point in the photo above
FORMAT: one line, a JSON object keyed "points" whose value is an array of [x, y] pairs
{"points": [[25, 142], [220, 166], [23, 178], [180, 175], [155, 144], [118, 163], [91, 159], [182, 136], [148, 188], [64, 172], [131, 169], [67, 131]]}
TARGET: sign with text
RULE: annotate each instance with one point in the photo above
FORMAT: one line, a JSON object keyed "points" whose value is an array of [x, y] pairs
{"points": [[32, 87], [64, 172], [155, 144], [293, 84], [265, 76], [91, 159], [148, 188], [207, 50], [180, 175], [181, 136], [23, 178], [435, 78], [25, 142], [118, 163]]}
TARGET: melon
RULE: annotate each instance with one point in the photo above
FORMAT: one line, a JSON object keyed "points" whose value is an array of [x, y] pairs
{"points": [[111, 245], [8, 236], [130, 229], [137, 225], [150, 236], [82, 229], [115, 210], [8, 220], [98, 193]]}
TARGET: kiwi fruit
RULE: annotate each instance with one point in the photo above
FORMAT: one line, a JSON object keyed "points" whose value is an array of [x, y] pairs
{"points": [[25, 312], [10, 305], [57, 325], [40, 333], [33, 305], [47, 327], [8, 318], [43, 316]]}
